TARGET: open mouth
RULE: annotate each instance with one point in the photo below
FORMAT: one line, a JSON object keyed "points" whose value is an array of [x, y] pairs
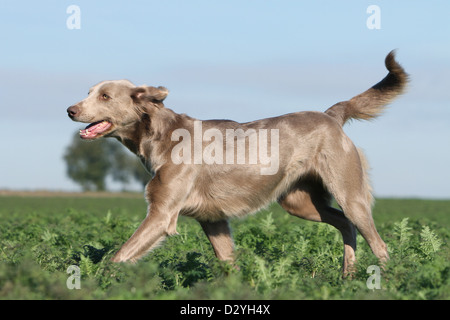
{"points": [[96, 129]]}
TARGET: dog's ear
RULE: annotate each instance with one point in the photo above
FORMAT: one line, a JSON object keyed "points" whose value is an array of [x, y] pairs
{"points": [[149, 94]]}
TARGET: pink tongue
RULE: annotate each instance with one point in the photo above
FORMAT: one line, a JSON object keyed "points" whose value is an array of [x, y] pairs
{"points": [[92, 130]]}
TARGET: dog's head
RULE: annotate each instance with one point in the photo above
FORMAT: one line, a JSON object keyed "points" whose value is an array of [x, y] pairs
{"points": [[115, 105]]}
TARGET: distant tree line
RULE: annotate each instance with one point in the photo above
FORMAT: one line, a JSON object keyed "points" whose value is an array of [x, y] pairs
{"points": [[89, 163]]}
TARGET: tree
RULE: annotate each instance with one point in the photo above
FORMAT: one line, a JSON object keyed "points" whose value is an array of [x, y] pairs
{"points": [[89, 163], [124, 164], [139, 173]]}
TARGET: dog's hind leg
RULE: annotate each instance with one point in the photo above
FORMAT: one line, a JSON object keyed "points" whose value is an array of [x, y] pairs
{"points": [[309, 200], [360, 213], [346, 178]]}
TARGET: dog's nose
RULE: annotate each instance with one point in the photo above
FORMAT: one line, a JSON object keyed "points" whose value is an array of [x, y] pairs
{"points": [[72, 111]]}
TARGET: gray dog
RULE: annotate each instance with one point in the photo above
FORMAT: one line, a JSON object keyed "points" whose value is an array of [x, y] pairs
{"points": [[214, 170]]}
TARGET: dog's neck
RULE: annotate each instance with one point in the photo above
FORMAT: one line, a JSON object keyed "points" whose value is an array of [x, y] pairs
{"points": [[131, 137], [150, 138]]}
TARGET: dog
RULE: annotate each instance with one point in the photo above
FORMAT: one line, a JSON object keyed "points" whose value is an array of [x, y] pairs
{"points": [[196, 173]]}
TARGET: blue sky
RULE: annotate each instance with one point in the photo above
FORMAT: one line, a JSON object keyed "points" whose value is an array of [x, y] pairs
{"points": [[241, 60]]}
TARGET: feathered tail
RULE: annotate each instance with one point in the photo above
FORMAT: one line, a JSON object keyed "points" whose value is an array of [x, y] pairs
{"points": [[371, 103]]}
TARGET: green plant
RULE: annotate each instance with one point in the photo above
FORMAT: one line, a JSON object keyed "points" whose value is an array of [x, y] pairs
{"points": [[430, 243], [278, 256]]}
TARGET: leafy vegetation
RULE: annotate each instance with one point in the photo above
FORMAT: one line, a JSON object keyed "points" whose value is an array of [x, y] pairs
{"points": [[278, 256], [89, 164]]}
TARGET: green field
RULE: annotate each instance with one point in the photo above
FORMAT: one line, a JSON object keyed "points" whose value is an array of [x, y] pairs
{"points": [[279, 256]]}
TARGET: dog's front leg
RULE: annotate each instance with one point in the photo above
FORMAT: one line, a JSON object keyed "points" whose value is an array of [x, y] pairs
{"points": [[150, 233], [219, 234], [160, 222]]}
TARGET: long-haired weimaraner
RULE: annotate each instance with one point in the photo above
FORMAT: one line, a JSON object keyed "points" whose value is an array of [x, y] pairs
{"points": [[214, 170]]}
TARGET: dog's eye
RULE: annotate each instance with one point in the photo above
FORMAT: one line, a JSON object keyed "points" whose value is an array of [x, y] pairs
{"points": [[105, 97]]}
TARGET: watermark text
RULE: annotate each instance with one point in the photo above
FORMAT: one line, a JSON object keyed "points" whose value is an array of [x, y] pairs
{"points": [[74, 20], [227, 146]]}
